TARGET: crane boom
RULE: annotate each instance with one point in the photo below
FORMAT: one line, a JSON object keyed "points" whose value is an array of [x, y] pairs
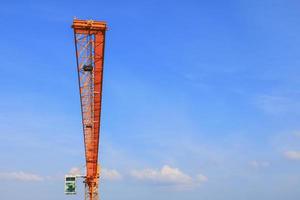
{"points": [[89, 38]]}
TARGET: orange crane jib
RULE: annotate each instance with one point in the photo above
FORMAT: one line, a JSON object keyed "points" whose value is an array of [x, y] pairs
{"points": [[89, 43]]}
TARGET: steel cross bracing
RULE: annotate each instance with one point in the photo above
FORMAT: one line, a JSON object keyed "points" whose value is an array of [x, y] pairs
{"points": [[89, 43]]}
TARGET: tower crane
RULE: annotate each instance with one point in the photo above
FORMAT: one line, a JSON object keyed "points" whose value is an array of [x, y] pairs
{"points": [[89, 37]]}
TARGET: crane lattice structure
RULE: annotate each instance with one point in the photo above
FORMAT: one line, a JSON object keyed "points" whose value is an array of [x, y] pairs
{"points": [[89, 38]]}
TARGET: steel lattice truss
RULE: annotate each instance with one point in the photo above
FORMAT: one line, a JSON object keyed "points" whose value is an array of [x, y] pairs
{"points": [[89, 42]]}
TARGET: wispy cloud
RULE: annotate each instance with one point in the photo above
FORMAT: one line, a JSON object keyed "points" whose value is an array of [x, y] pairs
{"points": [[259, 164], [75, 171], [292, 155], [200, 178], [107, 174], [20, 176], [296, 134], [111, 174], [278, 104], [274, 104], [168, 176]]}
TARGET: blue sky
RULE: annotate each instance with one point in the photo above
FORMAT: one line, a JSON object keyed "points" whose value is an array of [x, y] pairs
{"points": [[200, 101]]}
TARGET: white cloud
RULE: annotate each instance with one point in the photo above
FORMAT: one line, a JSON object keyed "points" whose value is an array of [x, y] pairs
{"points": [[292, 155], [111, 174], [201, 178], [107, 174], [259, 164], [20, 176], [75, 171], [168, 176]]}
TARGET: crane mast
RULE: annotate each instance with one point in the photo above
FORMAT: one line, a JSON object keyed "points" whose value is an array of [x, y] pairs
{"points": [[89, 38]]}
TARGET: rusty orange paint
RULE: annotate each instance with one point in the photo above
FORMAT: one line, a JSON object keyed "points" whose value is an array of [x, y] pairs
{"points": [[89, 43]]}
